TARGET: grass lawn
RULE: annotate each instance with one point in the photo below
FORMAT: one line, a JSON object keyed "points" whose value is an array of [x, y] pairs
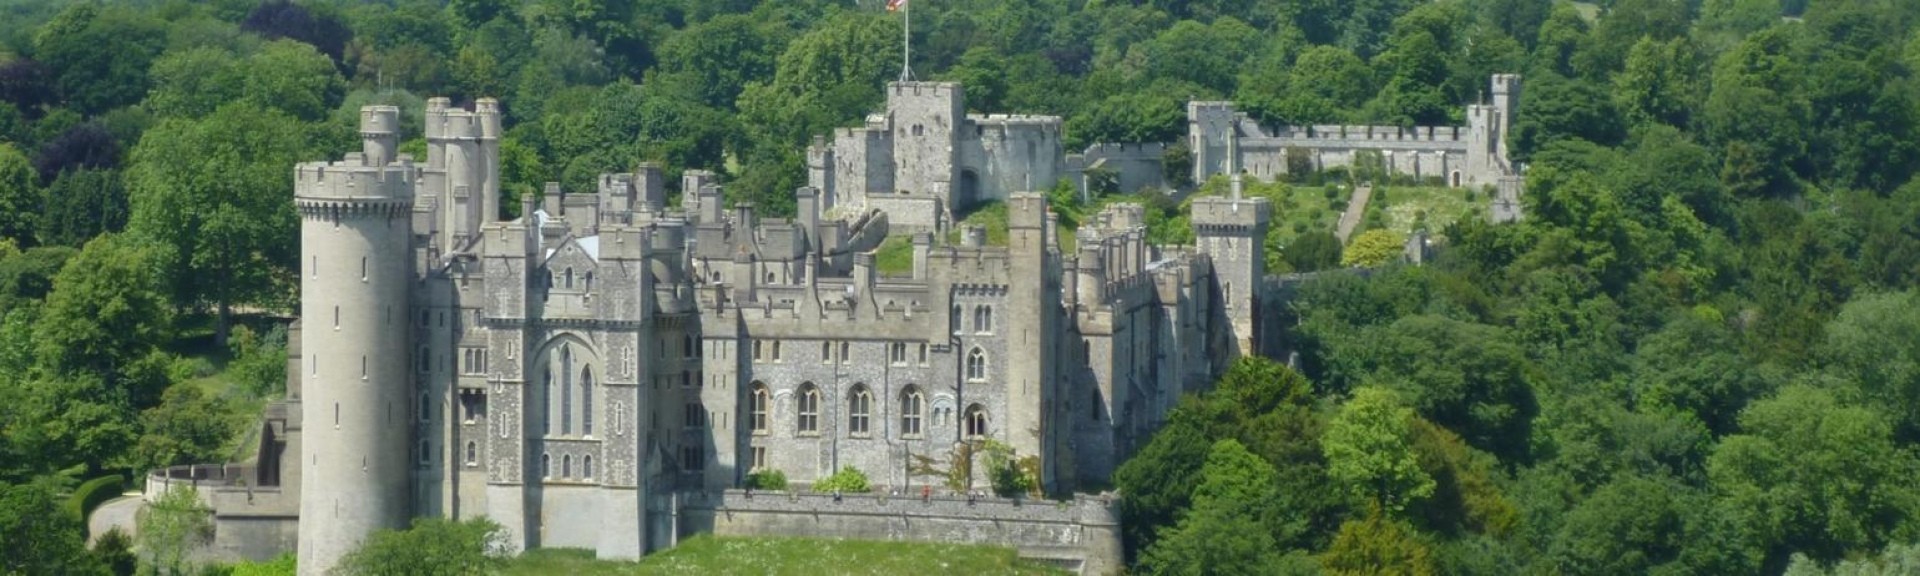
{"points": [[1406, 208], [783, 556], [894, 257]]}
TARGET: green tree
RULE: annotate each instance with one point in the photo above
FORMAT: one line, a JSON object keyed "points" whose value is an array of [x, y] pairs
{"points": [[1632, 525], [99, 57], [107, 310], [1659, 83], [431, 547], [1470, 378], [171, 527], [1313, 251], [19, 194], [188, 426], [294, 78], [1228, 530], [41, 537], [1871, 347], [720, 57], [82, 204], [1812, 474], [217, 194], [1368, 450], [191, 83]]}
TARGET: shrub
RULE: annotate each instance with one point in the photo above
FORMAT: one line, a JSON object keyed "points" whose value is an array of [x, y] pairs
{"points": [[115, 550], [767, 480], [93, 493], [848, 479]]}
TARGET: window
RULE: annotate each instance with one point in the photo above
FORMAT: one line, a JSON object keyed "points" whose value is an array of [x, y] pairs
{"points": [[809, 409], [589, 281], [546, 465], [546, 397], [983, 319], [776, 350], [911, 404], [336, 317], [316, 267], [363, 268], [1094, 406], [976, 365], [473, 454], [954, 318], [426, 453], [566, 466], [844, 346], [923, 354], [826, 352], [695, 416], [569, 278], [757, 346], [692, 458], [757, 407], [859, 406], [897, 353], [566, 390], [426, 408], [759, 457], [586, 464], [586, 401], [689, 347], [976, 421]]}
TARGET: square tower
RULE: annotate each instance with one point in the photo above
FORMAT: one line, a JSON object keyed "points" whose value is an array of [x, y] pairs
{"points": [[1233, 231], [926, 117]]}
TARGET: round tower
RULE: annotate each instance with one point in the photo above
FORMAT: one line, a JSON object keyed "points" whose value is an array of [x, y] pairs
{"points": [[355, 269], [380, 134]]}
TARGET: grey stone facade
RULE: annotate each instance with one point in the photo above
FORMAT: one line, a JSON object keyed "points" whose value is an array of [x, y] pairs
{"points": [[570, 373]]}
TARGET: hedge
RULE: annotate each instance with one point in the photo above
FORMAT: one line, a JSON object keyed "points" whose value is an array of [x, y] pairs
{"points": [[93, 493]]}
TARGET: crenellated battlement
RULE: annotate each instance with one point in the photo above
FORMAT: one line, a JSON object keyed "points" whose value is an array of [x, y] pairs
{"points": [[352, 179]]}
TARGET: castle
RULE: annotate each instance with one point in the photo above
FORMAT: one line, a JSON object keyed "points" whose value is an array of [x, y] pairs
{"points": [[602, 372]]}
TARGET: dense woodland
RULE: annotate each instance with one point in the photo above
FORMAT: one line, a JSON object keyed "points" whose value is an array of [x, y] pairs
{"points": [[1699, 355]]}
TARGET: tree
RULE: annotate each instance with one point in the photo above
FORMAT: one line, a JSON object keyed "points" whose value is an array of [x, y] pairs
{"points": [[172, 526], [1812, 474], [19, 193], [87, 145], [217, 195], [188, 426], [1378, 546], [99, 57], [1868, 347], [107, 309], [720, 57], [294, 78], [277, 19], [1313, 251], [1368, 451], [1159, 479], [41, 537], [1373, 248], [1470, 378], [1632, 525], [1229, 528], [1659, 83], [431, 547], [82, 204]]}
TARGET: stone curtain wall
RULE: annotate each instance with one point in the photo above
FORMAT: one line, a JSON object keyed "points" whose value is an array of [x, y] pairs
{"points": [[1083, 533]]}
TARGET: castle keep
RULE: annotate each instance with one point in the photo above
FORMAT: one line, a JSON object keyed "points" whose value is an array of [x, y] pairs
{"points": [[605, 371]]}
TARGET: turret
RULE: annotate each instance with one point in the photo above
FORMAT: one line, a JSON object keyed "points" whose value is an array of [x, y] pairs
{"points": [[355, 386], [379, 134]]}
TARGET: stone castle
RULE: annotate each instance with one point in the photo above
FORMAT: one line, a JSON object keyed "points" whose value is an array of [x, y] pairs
{"points": [[603, 372]]}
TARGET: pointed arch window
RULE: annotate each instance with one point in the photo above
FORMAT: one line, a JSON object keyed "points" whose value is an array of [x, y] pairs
{"points": [[473, 455], [911, 406], [859, 410], [586, 400], [809, 421], [757, 407], [976, 422], [977, 365], [586, 467], [546, 465], [566, 389], [566, 466], [546, 401]]}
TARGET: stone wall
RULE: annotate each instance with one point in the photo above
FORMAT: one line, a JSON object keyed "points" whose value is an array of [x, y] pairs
{"points": [[1083, 534], [1137, 167]]}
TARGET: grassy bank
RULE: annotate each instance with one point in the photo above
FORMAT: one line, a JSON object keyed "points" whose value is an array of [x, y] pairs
{"points": [[786, 556]]}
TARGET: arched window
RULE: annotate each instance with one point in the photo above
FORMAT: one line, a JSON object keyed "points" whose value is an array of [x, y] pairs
{"points": [[976, 421], [589, 280], [1093, 409], [911, 404], [473, 454], [586, 400], [566, 389], [983, 319], [586, 467], [569, 277], [954, 319], [809, 409], [977, 365], [546, 465], [859, 408], [546, 399], [566, 466], [757, 407]]}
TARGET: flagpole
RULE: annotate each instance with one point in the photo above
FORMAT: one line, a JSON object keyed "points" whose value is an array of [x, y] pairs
{"points": [[906, 41]]}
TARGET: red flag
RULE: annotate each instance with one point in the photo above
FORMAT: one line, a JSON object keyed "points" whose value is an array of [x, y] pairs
{"points": [[893, 5]]}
